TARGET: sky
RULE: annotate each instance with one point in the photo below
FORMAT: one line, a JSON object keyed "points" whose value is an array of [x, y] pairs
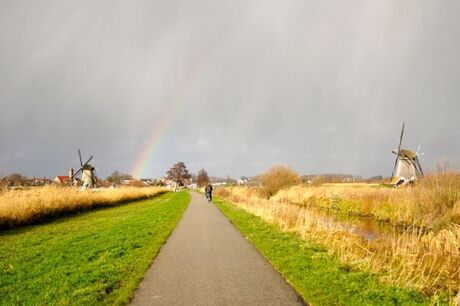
{"points": [[232, 86]]}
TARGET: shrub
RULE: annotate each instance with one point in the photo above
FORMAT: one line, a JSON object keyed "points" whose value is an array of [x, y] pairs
{"points": [[277, 178], [202, 178]]}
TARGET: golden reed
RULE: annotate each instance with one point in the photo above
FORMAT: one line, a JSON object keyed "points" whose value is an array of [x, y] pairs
{"points": [[428, 261], [18, 207]]}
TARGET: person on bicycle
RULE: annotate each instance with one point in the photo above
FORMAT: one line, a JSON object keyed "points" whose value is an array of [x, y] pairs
{"points": [[208, 191]]}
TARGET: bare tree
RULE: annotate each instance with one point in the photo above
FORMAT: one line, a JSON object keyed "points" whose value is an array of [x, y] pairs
{"points": [[16, 179], [178, 173], [202, 178]]}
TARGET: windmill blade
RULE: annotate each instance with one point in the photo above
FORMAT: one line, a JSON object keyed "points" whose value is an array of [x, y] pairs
{"points": [[417, 170], [414, 162], [79, 155], [398, 152], [78, 171], [94, 178], [82, 166], [419, 167], [394, 168], [89, 159], [418, 153], [401, 137]]}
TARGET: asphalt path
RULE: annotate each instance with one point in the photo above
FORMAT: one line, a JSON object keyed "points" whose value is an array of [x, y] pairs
{"points": [[206, 261]]}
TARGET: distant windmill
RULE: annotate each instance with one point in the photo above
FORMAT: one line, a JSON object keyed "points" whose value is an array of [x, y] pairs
{"points": [[88, 176], [407, 166]]}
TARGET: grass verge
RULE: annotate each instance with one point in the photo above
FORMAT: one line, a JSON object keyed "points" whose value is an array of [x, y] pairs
{"points": [[94, 258], [318, 276]]}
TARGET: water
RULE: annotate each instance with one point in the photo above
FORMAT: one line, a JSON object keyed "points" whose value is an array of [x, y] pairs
{"points": [[366, 227]]}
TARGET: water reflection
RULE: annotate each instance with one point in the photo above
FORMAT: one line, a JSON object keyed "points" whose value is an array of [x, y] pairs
{"points": [[365, 227]]}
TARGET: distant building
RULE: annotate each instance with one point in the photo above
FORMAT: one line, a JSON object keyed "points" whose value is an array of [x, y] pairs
{"points": [[39, 181], [147, 181], [126, 182], [61, 179], [186, 182], [242, 181]]}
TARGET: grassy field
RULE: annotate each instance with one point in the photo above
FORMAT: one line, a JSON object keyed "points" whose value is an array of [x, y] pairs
{"points": [[97, 257], [318, 276], [34, 205], [424, 260]]}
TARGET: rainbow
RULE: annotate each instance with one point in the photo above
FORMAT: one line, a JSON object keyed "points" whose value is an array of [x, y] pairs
{"points": [[151, 145], [160, 128], [177, 104]]}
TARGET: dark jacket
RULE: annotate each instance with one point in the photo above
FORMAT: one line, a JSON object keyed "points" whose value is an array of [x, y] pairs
{"points": [[208, 189]]}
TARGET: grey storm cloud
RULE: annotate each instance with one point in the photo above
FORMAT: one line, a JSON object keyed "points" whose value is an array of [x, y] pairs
{"points": [[323, 86]]}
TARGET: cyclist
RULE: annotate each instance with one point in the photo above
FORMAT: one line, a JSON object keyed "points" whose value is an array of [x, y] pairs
{"points": [[208, 191]]}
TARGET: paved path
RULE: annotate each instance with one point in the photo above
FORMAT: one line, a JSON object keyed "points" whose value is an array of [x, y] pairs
{"points": [[206, 261]]}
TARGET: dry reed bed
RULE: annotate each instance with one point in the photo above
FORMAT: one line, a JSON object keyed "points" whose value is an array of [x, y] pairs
{"points": [[428, 262], [433, 203], [19, 207]]}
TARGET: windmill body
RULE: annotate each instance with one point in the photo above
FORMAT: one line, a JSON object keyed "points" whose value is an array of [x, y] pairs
{"points": [[405, 170], [88, 176], [407, 166]]}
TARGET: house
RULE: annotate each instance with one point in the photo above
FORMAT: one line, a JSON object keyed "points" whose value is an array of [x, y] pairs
{"points": [[242, 181], [39, 181], [127, 182], [61, 179]]}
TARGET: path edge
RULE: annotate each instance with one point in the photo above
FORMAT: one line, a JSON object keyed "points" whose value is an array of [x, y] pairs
{"points": [[299, 296], [133, 293]]}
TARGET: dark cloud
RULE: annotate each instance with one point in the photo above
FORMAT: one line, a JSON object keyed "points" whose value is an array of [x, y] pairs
{"points": [[321, 86]]}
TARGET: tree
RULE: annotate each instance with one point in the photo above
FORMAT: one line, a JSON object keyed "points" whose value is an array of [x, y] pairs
{"points": [[16, 179], [178, 173], [277, 178], [117, 177], [202, 178]]}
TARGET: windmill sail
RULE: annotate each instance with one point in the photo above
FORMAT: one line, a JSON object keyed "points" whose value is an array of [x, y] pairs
{"points": [[398, 152]]}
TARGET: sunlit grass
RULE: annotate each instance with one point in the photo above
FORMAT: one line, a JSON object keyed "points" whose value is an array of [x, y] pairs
{"points": [[95, 258]]}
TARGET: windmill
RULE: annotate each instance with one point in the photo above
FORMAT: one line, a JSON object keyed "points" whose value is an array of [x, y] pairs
{"points": [[88, 176], [407, 166]]}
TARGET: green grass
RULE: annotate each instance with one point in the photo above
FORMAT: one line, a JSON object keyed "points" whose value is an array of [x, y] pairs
{"points": [[93, 258], [318, 276]]}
